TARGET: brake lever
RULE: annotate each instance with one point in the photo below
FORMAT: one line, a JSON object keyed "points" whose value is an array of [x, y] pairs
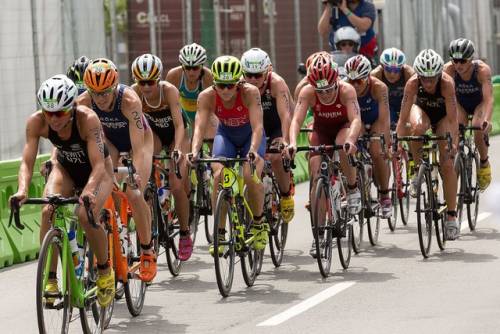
{"points": [[90, 214], [14, 213]]}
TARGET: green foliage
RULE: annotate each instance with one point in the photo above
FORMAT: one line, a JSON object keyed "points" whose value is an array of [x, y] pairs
{"points": [[121, 15]]}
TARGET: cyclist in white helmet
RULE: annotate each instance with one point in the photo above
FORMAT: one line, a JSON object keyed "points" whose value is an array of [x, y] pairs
{"points": [[372, 95], [394, 72], [429, 102], [81, 165], [277, 105], [160, 106], [474, 92], [191, 78]]}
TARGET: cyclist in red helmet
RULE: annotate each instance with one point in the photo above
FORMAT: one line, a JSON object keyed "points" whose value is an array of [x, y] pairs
{"points": [[337, 120]]}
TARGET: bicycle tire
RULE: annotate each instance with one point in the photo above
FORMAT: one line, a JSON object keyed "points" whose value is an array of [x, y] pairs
{"points": [[279, 229], [344, 239], [404, 202], [151, 197], [135, 288], [373, 226], [172, 228], [53, 237], [439, 227], [473, 185], [392, 221], [90, 313], [461, 185], [224, 277], [424, 209], [359, 224], [323, 245]]}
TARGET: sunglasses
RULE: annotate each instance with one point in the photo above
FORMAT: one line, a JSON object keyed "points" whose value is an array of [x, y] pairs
{"points": [[253, 75], [146, 82], [461, 61], [57, 114], [392, 69], [222, 86], [191, 68], [428, 79], [103, 93], [356, 81], [346, 43]]}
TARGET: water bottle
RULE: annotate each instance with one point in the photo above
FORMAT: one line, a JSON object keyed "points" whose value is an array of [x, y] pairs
{"points": [[435, 180], [74, 247], [122, 231], [81, 258]]}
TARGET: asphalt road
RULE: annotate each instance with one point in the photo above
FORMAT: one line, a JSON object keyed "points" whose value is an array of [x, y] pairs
{"points": [[389, 288]]}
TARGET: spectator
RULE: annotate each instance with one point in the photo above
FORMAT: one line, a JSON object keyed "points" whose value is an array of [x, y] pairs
{"points": [[359, 14]]}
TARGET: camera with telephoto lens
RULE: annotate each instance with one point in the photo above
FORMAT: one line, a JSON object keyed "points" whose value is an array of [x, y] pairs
{"points": [[332, 2]]}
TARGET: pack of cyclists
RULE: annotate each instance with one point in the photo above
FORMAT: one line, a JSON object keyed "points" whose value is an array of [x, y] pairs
{"points": [[244, 106]]}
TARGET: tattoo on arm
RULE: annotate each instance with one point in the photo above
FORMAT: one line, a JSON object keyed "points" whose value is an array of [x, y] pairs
{"points": [[385, 99], [137, 119], [98, 139], [97, 189], [356, 107], [287, 101]]}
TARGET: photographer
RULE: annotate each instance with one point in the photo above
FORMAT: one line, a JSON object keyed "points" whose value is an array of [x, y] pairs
{"points": [[359, 14]]}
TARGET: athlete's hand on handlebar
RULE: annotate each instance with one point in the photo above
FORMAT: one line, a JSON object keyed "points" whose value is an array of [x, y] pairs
{"points": [[91, 195], [350, 148], [487, 126], [18, 197]]}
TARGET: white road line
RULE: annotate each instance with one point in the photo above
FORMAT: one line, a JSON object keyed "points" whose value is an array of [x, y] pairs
{"points": [[306, 304], [480, 217]]}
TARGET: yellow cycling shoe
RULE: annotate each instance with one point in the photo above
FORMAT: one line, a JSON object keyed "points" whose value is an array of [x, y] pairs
{"points": [[259, 231], [106, 288], [287, 208], [51, 291], [484, 177], [220, 250]]}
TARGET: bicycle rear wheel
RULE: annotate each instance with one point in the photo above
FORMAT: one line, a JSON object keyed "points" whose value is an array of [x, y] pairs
{"points": [[279, 229], [439, 227], [53, 310], [322, 227], [359, 223], [424, 209], [224, 243], [473, 185], [135, 288]]}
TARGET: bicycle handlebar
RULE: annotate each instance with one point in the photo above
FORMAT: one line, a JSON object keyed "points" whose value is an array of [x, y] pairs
{"points": [[55, 200], [424, 138]]}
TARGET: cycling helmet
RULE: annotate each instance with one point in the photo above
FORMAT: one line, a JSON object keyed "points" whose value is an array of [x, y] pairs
{"points": [[57, 93], [77, 69], [316, 54], [393, 58], [461, 49], [255, 60], [193, 55], [147, 67], [322, 72], [100, 75], [357, 67], [428, 63], [346, 34], [226, 69]]}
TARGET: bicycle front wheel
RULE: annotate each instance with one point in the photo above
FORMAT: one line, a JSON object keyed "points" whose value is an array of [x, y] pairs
{"points": [[462, 192], [53, 308], [425, 210], [359, 223], [344, 239], [322, 227], [403, 188], [473, 185], [224, 243], [373, 222]]}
